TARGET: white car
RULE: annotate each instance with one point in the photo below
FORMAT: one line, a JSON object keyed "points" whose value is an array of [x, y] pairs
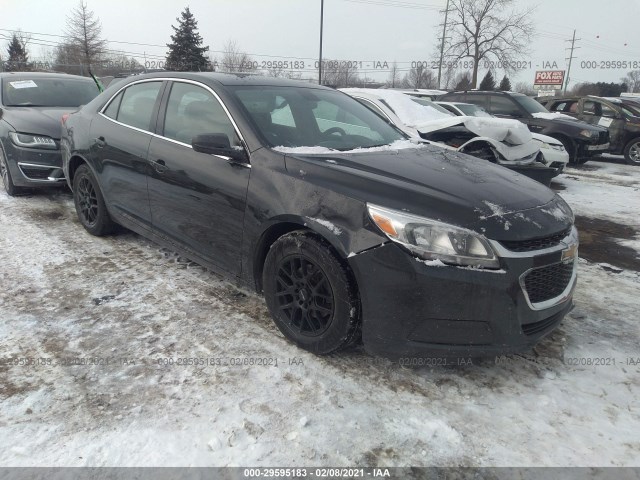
{"points": [[506, 142], [553, 153]]}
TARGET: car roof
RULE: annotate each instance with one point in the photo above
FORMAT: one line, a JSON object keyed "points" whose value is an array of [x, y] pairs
{"points": [[41, 75], [504, 92], [229, 79]]}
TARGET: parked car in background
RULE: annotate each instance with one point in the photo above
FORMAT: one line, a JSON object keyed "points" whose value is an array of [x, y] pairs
{"points": [[552, 152], [580, 139], [617, 114], [426, 93], [505, 142], [347, 226], [31, 109]]}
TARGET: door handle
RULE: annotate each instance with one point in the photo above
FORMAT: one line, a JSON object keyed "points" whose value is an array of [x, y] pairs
{"points": [[160, 165], [100, 142]]}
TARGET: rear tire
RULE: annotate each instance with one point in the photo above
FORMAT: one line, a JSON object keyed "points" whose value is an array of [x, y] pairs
{"points": [[7, 181], [632, 152], [311, 295], [90, 207]]}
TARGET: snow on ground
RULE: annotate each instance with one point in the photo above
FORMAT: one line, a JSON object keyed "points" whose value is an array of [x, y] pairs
{"points": [[572, 401]]}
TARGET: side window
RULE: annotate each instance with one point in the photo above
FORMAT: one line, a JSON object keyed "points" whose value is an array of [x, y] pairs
{"points": [[193, 110], [112, 109], [282, 114], [590, 108], [501, 105], [478, 99], [137, 104], [607, 111]]}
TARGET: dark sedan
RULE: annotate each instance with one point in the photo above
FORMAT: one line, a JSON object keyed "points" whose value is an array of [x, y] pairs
{"points": [[348, 228], [31, 110]]}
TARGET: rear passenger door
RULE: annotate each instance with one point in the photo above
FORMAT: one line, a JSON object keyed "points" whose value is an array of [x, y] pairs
{"points": [[603, 114], [121, 134], [197, 200]]}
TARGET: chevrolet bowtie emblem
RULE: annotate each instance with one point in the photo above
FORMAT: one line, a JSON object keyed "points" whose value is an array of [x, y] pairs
{"points": [[570, 253]]}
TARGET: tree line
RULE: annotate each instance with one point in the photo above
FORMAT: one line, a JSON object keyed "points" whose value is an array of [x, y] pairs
{"points": [[477, 31]]}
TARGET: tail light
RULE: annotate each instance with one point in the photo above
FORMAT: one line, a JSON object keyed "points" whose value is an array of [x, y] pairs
{"points": [[64, 118]]}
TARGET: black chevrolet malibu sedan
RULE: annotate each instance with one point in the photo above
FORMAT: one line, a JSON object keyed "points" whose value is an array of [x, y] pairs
{"points": [[348, 229], [31, 108]]}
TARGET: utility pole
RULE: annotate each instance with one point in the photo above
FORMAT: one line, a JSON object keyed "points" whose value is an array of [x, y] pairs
{"points": [[320, 59], [571, 57], [444, 32]]}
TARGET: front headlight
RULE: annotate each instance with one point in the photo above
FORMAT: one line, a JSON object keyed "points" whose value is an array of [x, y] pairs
{"points": [[32, 141], [586, 133], [431, 240]]}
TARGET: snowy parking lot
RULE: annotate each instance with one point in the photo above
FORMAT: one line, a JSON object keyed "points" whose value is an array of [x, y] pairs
{"points": [[116, 352]]}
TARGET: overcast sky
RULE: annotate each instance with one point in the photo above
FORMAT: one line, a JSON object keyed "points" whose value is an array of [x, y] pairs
{"points": [[359, 30]]}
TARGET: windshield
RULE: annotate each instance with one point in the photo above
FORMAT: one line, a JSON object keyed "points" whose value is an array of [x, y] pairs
{"points": [[631, 110], [309, 117], [428, 103], [529, 104], [25, 91], [472, 110]]}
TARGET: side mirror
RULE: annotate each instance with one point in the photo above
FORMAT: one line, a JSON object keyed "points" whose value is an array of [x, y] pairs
{"points": [[217, 144]]}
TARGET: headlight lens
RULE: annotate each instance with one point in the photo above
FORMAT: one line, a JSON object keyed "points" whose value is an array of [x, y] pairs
{"points": [[431, 240], [32, 141], [586, 133]]}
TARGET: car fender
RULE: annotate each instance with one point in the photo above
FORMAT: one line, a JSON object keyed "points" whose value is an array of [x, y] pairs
{"points": [[511, 153]]}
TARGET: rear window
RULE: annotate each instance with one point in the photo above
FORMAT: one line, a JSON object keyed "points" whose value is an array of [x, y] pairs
{"points": [[25, 91]]}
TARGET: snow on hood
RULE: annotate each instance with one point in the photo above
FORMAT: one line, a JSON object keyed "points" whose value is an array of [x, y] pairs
{"points": [[553, 116], [501, 129], [397, 145]]}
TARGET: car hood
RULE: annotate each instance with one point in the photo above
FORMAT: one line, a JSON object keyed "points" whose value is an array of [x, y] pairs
{"points": [[37, 120], [565, 120], [501, 130], [441, 185]]}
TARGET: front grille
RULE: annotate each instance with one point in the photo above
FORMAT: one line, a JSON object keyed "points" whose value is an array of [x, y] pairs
{"points": [[549, 282], [35, 173], [603, 137], [536, 243]]}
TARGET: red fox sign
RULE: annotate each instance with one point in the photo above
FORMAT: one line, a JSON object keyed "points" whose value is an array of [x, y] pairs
{"points": [[549, 77]]}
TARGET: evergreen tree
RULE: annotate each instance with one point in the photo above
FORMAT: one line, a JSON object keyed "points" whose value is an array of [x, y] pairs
{"points": [[84, 38], [505, 85], [488, 83], [186, 52], [464, 83], [18, 58]]}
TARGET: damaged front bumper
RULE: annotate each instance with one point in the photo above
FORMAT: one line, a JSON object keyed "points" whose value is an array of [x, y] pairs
{"points": [[412, 309]]}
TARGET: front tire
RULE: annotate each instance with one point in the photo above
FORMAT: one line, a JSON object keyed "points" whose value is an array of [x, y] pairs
{"points": [[90, 207], [632, 152], [7, 181], [571, 149], [311, 295]]}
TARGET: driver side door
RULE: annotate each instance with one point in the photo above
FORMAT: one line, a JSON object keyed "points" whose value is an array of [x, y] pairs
{"points": [[197, 200]]}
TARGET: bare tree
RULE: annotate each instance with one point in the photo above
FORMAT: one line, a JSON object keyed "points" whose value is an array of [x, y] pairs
{"points": [[633, 81], [448, 76], [488, 31], [524, 87], [339, 73], [394, 76], [419, 77], [278, 71], [235, 60], [84, 40]]}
